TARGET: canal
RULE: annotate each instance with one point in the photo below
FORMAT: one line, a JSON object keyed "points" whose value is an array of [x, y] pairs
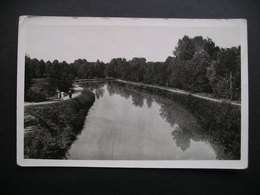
{"points": [[126, 124]]}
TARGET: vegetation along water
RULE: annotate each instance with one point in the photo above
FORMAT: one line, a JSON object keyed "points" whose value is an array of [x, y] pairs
{"points": [[198, 67], [50, 129]]}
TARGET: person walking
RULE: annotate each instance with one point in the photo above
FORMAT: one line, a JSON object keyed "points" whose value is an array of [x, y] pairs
{"points": [[62, 95], [70, 94], [58, 93]]}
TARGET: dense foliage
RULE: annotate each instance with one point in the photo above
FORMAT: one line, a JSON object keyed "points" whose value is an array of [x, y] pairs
{"points": [[59, 75], [50, 129], [198, 65]]}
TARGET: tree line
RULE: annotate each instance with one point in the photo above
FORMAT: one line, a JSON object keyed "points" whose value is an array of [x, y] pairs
{"points": [[58, 75], [197, 65]]}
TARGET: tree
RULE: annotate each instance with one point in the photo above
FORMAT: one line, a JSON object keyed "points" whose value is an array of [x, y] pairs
{"points": [[60, 75], [210, 48], [149, 73], [29, 73], [40, 68], [99, 69], [201, 66], [137, 69], [180, 74], [184, 49], [224, 74], [189, 70], [199, 63]]}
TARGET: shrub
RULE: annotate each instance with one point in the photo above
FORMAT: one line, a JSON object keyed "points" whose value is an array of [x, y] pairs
{"points": [[32, 96], [50, 129]]}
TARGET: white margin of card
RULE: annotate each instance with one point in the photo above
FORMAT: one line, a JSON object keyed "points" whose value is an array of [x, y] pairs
{"points": [[203, 164]]}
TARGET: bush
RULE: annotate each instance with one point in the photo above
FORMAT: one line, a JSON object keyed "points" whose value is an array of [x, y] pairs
{"points": [[50, 129], [32, 96]]}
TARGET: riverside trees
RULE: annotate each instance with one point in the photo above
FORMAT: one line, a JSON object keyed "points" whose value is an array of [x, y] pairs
{"points": [[200, 66], [197, 65], [51, 76]]}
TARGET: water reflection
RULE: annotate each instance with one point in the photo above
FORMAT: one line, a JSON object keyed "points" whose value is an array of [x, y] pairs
{"points": [[99, 92], [96, 87], [149, 101], [178, 117], [138, 100], [117, 90], [182, 137], [185, 128]]}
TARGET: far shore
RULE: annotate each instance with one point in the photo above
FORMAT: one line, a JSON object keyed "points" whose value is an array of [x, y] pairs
{"points": [[174, 90]]}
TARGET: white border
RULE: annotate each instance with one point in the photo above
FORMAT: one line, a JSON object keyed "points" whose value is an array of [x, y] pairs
{"points": [[220, 164]]}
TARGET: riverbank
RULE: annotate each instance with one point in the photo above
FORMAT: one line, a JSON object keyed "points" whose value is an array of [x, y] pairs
{"points": [[221, 120], [143, 85], [207, 97], [50, 129]]}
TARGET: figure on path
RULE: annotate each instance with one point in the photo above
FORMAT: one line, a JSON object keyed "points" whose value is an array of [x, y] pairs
{"points": [[70, 93], [62, 95], [58, 93]]}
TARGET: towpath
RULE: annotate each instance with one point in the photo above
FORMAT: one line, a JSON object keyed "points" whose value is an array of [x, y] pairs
{"points": [[76, 88], [182, 92]]}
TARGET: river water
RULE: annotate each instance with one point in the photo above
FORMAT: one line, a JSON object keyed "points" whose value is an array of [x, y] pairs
{"points": [[126, 124]]}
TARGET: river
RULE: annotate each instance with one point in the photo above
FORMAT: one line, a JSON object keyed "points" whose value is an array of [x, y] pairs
{"points": [[127, 124]]}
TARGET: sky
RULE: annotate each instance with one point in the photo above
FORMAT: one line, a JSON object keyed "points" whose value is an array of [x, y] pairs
{"points": [[155, 43]]}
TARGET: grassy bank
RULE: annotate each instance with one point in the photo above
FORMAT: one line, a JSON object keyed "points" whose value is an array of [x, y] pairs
{"points": [[50, 129], [220, 121]]}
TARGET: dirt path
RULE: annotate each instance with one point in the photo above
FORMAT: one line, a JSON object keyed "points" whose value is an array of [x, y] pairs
{"points": [[76, 88], [183, 92]]}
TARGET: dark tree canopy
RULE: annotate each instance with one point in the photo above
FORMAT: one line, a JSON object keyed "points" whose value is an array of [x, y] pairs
{"points": [[198, 65]]}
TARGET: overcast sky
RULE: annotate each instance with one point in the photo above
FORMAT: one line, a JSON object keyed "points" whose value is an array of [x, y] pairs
{"points": [[69, 43]]}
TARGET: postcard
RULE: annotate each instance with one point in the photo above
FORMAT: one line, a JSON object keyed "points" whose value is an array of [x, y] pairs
{"points": [[132, 92]]}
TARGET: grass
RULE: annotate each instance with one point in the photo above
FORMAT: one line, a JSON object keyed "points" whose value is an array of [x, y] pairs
{"points": [[50, 129]]}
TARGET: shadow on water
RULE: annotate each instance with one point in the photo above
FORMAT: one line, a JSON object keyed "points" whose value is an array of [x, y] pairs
{"points": [[186, 127]]}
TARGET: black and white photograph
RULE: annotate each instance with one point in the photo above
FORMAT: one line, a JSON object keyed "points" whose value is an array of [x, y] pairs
{"points": [[132, 92]]}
